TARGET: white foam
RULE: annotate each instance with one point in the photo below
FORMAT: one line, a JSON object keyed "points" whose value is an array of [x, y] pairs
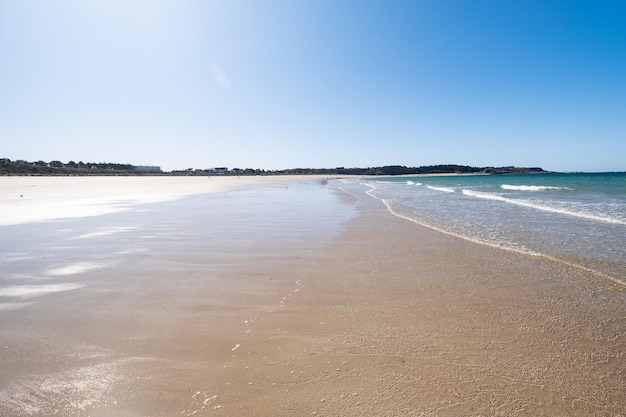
{"points": [[73, 269], [391, 210], [533, 188], [543, 207], [486, 243], [31, 291], [442, 189]]}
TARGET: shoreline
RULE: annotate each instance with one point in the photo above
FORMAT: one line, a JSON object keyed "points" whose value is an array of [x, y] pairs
{"points": [[386, 318], [438, 325], [545, 256]]}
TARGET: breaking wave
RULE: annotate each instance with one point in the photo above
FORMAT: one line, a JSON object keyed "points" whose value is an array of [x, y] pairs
{"points": [[533, 188], [544, 207], [442, 189]]}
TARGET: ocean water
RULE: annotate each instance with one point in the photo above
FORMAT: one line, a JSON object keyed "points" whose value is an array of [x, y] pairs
{"points": [[578, 218]]}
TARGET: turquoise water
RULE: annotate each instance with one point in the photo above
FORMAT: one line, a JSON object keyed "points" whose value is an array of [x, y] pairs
{"points": [[579, 218]]}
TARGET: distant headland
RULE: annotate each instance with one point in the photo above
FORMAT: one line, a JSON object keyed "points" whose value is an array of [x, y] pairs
{"points": [[21, 167]]}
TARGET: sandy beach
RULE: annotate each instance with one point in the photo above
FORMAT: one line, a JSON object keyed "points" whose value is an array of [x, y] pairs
{"points": [[216, 298], [37, 198]]}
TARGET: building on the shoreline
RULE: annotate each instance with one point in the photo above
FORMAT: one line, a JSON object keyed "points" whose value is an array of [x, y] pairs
{"points": [[220, 170], [147, 168]]}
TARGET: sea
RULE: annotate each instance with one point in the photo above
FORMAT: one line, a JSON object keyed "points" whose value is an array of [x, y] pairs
{"points": [[576, 218]]}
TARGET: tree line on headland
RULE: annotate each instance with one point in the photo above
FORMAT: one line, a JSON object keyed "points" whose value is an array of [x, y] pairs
{"points": [[427, 169], [20, 167]]}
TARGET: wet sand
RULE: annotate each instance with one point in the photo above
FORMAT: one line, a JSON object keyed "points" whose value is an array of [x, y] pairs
{"points": [[386, 318], [39, 198]]}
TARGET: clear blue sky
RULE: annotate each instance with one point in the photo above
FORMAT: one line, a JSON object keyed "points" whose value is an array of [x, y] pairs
{"points": [[319, 83]]}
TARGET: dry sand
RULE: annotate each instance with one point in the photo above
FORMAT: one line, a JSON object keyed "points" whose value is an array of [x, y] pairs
{"points": [[388, 319]]}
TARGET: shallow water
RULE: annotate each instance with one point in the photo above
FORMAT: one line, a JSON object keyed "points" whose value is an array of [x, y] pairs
{"points": [[219, 228], [88, 304], [577, 218]]}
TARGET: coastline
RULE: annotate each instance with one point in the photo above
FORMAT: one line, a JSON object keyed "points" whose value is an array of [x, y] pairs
{"points": [[386, 318], [397, 319], [609, 277]]}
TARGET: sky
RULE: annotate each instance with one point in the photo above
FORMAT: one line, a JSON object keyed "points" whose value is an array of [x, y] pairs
{"points": [[278, 84]]}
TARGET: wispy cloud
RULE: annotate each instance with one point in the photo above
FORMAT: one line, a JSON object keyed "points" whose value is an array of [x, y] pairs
{"points": [[220, 76]]}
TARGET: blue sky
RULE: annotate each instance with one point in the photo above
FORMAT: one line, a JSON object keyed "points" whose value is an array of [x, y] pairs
{"points": [[320, 83]]}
